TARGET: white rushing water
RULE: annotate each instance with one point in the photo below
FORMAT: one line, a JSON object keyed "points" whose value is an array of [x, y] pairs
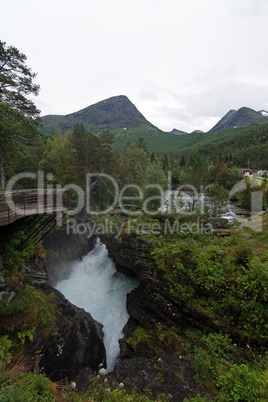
{"points": [[96, 286], [182, 202]]}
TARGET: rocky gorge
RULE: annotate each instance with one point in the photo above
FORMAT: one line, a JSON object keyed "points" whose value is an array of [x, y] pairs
{"points": [[173, 337], [150, 359], [151, 362], [66, 340]]}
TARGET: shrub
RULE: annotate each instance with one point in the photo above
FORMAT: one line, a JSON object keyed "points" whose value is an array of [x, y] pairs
{"points": [[202, 363], [28, 310], [15, 255], [219, 344], [242, 252], [5, 345], [241, 384], [27, 387]]}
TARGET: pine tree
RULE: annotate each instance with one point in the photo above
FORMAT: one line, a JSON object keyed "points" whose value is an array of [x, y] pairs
{"points": [[18, 114]]}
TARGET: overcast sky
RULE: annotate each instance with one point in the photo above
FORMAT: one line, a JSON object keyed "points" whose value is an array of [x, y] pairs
{"points": [[183, 63]]}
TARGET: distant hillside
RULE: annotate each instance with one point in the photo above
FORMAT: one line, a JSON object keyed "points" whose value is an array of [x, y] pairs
{"points": [[235, 146], [241, 118], [178, 132], [113, 113], [197, 131], [124, 120]]}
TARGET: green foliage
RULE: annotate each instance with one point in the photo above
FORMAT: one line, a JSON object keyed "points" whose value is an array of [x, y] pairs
{"points": [[197, 398], [196, 170], [217, 363], [217, 199], [27, 387], [16, 80], [18, 305], [137, 336], [219, 173], [219, 343], [133, 165], [202, 363], [5, 346], [223, 281], [18, 115], [59, 159], [242, 384], [16, 255], [233, 146], [28, 310], [242, 251], [155, 181], [233, 177], [26, 333]]}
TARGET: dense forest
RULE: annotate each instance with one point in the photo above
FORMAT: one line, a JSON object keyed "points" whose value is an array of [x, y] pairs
{"points": [[218, 281], [68, 158]]}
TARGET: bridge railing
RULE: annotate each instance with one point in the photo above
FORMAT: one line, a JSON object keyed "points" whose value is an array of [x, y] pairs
{"points": [[21, 203]]}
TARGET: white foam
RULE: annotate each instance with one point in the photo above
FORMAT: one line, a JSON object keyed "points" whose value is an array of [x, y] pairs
{"points": [[96, 286]]}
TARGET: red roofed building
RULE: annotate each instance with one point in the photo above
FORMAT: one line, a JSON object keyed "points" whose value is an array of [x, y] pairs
{"points": [[246, 172]]}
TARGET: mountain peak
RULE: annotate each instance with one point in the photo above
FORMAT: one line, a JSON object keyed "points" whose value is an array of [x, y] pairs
{"points": [[263, 113], [117, 112], [178, 132], [240, 118]]}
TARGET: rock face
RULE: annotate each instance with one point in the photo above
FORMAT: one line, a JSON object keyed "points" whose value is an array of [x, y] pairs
{"points": [[2, 279], [36, 270], [62, 250], [158, 374], [75, 341], [151, 359], [150, 303], [240, 118]]}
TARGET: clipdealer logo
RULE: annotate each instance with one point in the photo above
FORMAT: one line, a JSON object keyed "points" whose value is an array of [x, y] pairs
{"points": [[121, 199]]}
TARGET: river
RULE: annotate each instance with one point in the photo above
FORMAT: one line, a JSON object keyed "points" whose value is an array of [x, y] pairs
{"points": [[95, 285]]}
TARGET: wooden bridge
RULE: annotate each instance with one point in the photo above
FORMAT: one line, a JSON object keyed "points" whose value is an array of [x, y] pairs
{"points": [[17, 204]]}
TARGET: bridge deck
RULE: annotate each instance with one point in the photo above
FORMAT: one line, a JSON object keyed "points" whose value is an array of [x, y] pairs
{"points": [[21, 203]]}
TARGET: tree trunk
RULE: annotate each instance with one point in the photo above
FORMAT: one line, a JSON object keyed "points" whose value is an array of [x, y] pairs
{"points": [[2, 175]]}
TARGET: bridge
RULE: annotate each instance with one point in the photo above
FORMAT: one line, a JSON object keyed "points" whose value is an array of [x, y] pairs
{"points": [[18, 204]]}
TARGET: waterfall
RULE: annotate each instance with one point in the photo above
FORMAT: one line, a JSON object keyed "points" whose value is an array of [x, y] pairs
{"points": [[95, 285]]}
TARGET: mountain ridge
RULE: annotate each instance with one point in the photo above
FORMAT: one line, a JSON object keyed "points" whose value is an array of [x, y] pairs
{"points": [[117, 112], [122, 117], [242, 117]]}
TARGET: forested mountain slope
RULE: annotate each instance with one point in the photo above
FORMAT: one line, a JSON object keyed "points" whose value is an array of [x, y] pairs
{"points": [[117, 112]]}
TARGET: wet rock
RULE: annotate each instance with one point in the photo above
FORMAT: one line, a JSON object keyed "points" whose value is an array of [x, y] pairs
{"points": [[35, 271], [216, 223], [151, 302], [75, 341], [131, 255], [7, 295], [83, 378], [172, 376], [62, 249], [2, 279]]}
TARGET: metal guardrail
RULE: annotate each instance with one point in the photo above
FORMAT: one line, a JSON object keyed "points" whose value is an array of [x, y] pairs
{"points": [[21, 203]]}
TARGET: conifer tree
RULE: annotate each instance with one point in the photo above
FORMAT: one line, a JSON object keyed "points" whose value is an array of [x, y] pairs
{"points": [[18, 114]]}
